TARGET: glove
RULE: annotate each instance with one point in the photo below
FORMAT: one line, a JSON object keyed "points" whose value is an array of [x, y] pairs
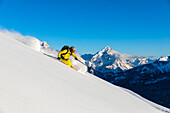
{"points": [[58, 58], [76, 58]]}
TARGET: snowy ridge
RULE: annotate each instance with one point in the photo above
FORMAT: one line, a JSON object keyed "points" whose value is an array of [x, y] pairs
{"points": [[156, 67], [34, 83], [164, 58], [163, 64], [152, 70]]}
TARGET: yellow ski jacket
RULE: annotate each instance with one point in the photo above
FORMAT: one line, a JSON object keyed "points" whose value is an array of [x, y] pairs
{"points": [[65, 54]]}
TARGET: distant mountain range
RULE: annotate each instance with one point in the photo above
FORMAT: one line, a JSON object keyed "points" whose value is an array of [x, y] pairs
{"points": [[152, 81], [148, 77]]}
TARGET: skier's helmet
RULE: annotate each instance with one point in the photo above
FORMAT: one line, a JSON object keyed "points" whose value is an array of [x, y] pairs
{"points": [[72, 49]]}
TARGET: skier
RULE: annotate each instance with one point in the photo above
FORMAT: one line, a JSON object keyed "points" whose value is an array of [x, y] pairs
{"points": [[65, 53]]}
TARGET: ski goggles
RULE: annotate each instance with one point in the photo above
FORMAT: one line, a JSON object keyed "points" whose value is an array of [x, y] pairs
{"points": [[73, 51]]}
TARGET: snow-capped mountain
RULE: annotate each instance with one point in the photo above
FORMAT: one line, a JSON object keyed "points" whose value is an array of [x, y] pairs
{"points": [[149, 80], [31, 82], [108, 60], [164, 59]]}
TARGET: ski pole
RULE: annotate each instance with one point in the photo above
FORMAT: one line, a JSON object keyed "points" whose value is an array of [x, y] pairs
{"points": [[90, 69], [85, 64], [82, 62]]}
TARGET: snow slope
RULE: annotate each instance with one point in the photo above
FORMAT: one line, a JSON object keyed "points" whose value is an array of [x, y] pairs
{"points": [[33, 83], [32, 42]]}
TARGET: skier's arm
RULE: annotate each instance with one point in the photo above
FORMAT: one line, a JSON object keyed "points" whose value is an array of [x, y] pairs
{"points": [[61, 52], [74, 56]]}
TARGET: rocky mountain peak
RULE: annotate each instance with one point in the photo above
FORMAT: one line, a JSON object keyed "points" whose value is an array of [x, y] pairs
{"points": [[44, 45], [106, 50]]}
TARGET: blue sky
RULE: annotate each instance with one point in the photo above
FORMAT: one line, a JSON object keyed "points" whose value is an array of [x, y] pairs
{"points": [[136, 27]]}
